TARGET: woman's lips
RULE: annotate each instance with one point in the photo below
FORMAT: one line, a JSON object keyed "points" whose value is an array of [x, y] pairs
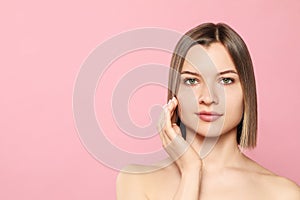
{"points": [[209, 116]]}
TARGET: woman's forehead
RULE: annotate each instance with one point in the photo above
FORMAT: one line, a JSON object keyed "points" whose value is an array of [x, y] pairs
{"points": [[212, 59]]}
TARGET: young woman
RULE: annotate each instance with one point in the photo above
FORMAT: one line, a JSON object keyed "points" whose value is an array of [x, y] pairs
{"points": [[212, 101]]}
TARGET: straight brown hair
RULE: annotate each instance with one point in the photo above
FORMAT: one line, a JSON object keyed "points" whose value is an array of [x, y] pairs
{"points": [[206, 34]]}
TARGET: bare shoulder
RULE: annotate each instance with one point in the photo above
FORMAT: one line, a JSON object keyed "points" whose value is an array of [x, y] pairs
{"points": [[139, 181], [277, 186], [130, 183], [283, 188]]}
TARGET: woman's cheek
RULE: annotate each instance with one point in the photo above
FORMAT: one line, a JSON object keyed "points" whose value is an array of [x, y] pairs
{"points": [[187, 101], [234, 109]]}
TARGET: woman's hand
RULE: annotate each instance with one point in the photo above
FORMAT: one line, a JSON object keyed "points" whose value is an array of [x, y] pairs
{"points": [[185, 157]]}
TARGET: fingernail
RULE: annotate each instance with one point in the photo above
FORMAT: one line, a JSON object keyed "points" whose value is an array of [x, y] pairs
{"points": [[169, 101], [173, 99]]}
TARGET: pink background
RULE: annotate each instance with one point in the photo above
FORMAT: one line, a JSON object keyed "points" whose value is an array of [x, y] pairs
{"points": [[42, 46]]}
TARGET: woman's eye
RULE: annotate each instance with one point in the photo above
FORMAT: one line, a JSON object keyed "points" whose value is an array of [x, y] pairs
{"points": [[191, 81], [226, 81]]}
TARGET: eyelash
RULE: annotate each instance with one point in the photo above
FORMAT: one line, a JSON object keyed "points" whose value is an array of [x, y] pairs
{"points": [[230, 79], [187, 81]]}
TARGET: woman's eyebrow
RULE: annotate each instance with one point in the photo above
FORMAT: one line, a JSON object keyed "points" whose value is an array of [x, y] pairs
{"points": [[227, 71], [192, 73], [220, 73]]}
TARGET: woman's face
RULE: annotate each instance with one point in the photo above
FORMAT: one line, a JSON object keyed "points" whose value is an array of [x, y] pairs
{"points": [[210, 94]]}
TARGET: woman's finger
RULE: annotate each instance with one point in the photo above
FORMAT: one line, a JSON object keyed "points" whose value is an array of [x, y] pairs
{"points": [[174, 103], [164, 138], [161, 120], [176, 129], [166, 129], [168, 124]]}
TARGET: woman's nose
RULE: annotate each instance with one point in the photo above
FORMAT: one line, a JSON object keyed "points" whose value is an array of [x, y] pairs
{"points": [[207, 95]]}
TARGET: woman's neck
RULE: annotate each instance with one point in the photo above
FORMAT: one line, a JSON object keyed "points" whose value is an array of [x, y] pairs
{"points": [[217, 152]]}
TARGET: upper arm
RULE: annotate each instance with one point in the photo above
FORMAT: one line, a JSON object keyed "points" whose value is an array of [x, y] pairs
{"points": [[129, 187]]}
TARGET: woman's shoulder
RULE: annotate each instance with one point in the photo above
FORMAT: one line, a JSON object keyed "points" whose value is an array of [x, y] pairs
{"points": [[280, 187], [137, 181], [129, 185], [286, 189]]}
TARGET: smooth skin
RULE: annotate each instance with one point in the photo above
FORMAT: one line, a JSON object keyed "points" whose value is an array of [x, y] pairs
{"points": [[225, 173]]}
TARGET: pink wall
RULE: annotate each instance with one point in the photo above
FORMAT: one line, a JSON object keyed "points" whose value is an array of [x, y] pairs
{"points": [[44, 44]]}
